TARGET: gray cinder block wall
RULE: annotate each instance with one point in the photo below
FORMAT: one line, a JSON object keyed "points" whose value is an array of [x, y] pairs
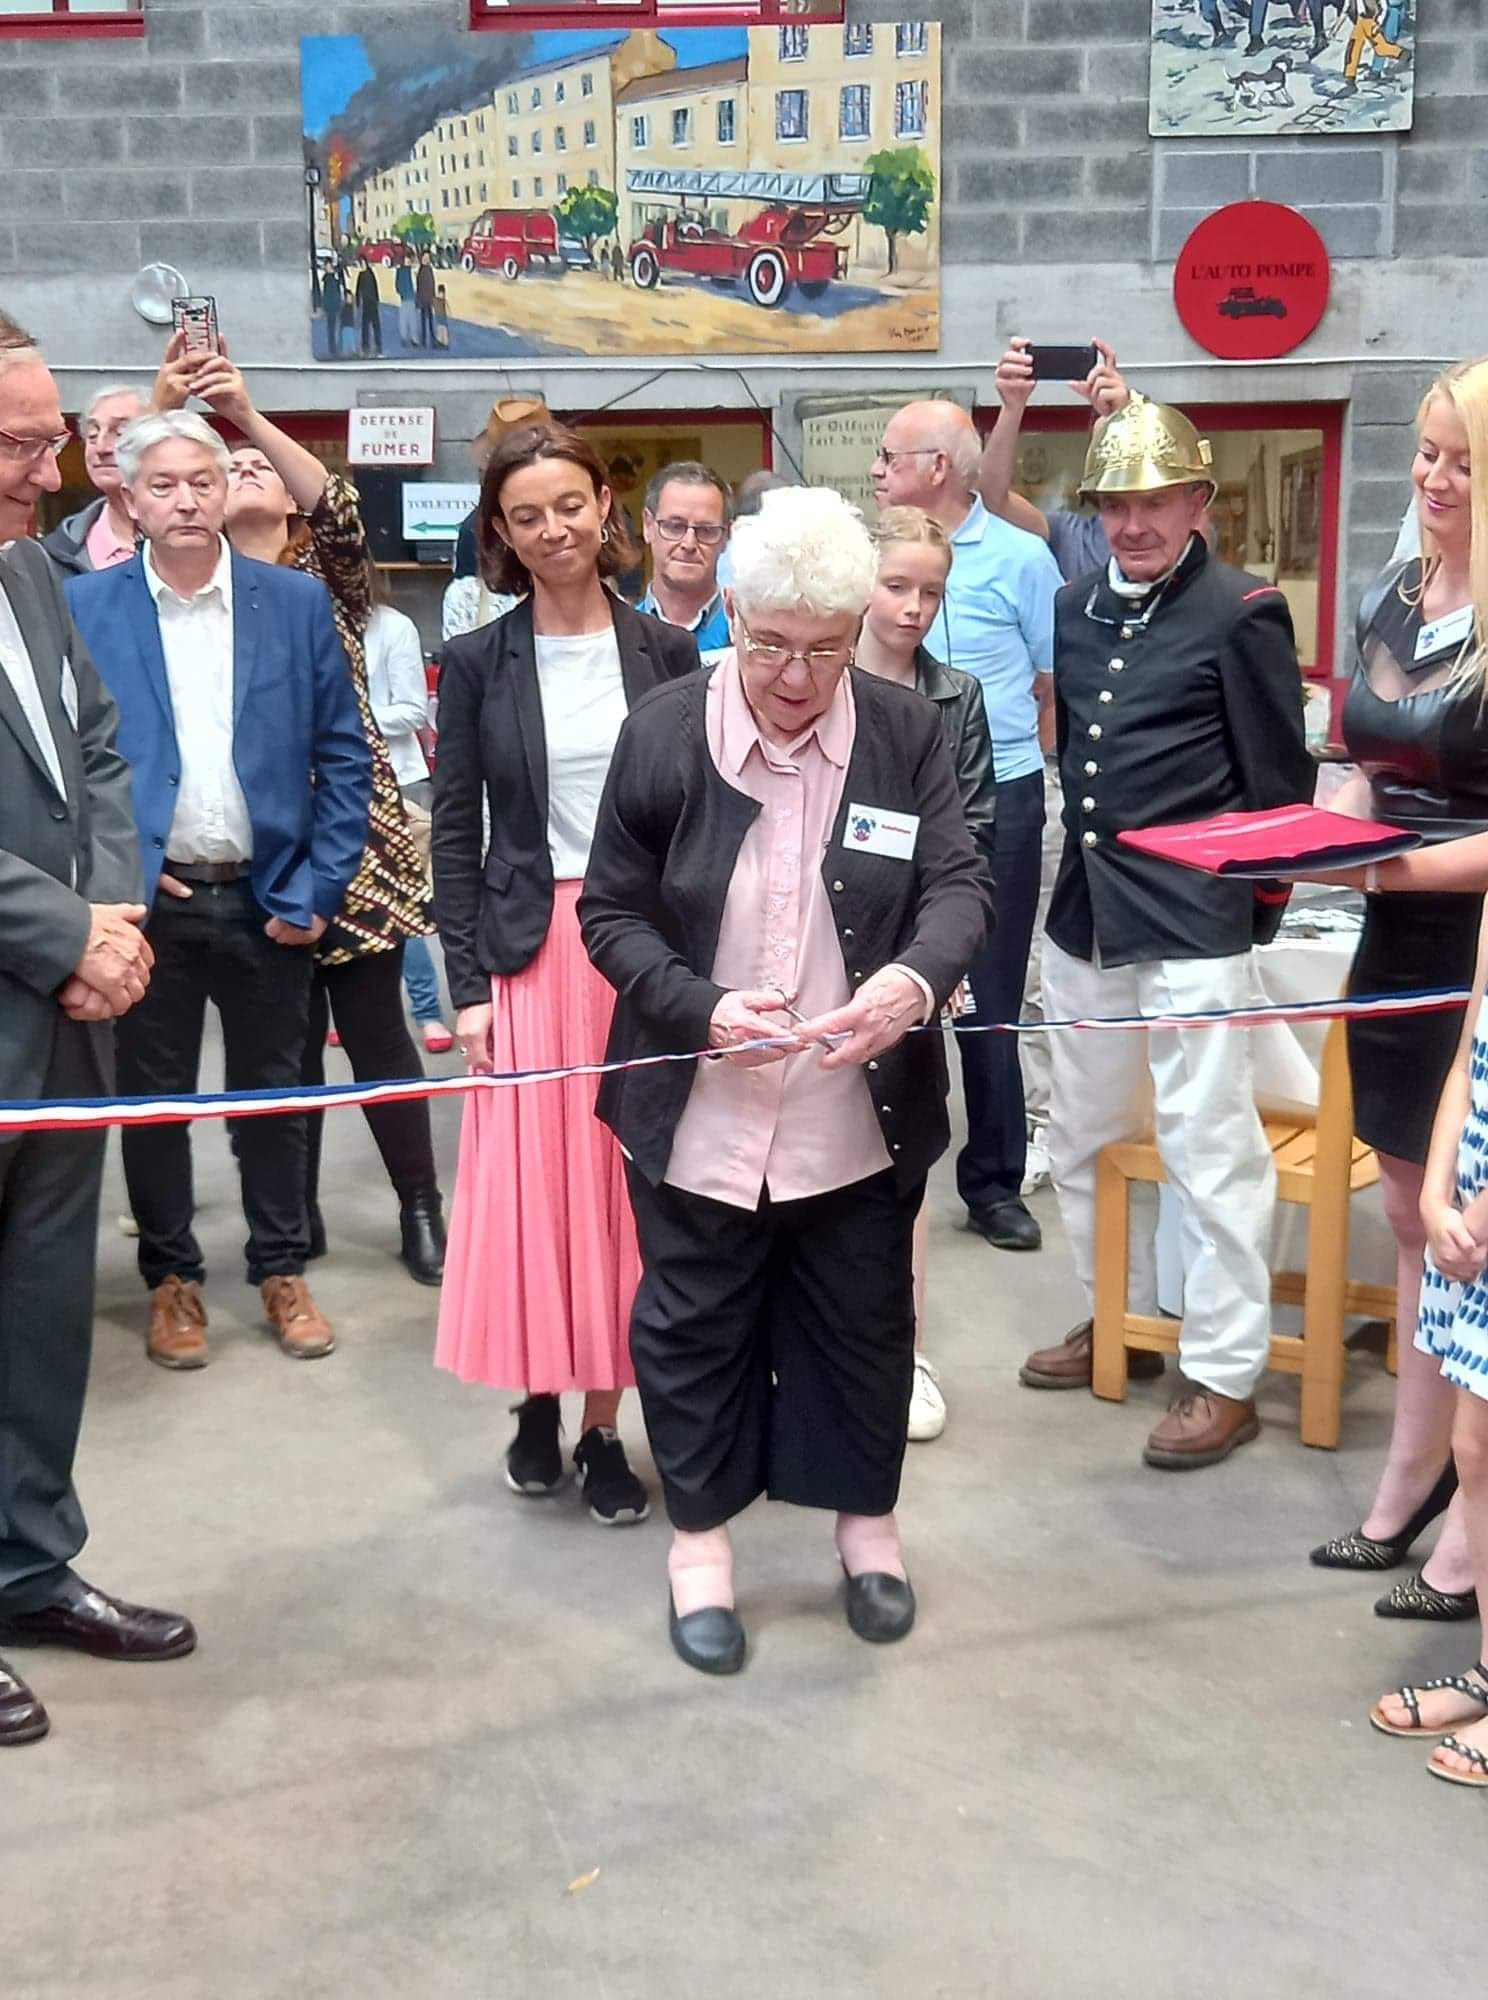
{"points": [[1058, 210]]}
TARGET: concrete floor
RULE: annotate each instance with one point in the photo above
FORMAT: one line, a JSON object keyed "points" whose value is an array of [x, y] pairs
{"points": [[1124, 1753]]}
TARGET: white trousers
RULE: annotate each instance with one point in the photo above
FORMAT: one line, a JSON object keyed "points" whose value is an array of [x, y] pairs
{"points": [[1195, 1086]]}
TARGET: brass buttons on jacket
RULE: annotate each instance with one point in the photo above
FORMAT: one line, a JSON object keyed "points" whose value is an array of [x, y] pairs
{"points": [[1087, 805], [1105, 695], [1116, 665], [1094, 732], [837, 888], [1091, 767], [1089, 839]]}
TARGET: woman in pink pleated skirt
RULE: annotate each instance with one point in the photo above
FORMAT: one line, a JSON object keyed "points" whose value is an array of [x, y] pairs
{"points": [[542, 1261]]}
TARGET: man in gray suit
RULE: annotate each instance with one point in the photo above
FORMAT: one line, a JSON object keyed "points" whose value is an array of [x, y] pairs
{"points": [[72, 959]]}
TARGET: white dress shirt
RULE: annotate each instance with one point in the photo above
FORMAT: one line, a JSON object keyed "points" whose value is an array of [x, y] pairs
{"points": [[211, 820], [398, 690], [16, 662]]}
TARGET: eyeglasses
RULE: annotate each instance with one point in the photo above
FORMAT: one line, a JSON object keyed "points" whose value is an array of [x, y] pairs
{"points": [[819, 659], [886, 458], [674, 529], [30, 451]]}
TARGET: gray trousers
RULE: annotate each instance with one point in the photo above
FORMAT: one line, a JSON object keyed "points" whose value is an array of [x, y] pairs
{"points": [[49, 1188]]}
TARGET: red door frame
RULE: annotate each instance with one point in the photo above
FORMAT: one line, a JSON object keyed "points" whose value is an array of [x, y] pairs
{"points": [[1324, 417]]}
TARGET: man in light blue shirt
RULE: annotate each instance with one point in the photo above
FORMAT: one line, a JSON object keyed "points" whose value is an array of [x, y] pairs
{"points": [[997, 622]]}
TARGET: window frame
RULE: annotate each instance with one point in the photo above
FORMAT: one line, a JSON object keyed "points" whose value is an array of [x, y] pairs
{"points": [[911, 89], [859, 92], [801, 138], [1326, 418], [55, 20], [492, 16]]}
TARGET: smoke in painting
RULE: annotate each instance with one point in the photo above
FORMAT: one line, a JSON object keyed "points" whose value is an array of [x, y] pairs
{"points": [[725, 190], [1302, 67]]}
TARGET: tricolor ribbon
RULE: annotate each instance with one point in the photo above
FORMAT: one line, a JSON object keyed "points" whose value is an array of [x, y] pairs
{"points": [[86, 1113]]}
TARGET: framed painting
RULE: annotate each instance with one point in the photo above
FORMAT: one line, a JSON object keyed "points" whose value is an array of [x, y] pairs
{"points": [[1299, 534], [1302, 67], [619, 191]]}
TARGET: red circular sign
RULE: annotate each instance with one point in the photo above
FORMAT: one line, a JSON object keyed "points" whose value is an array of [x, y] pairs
{"points": [[1252, 281]]}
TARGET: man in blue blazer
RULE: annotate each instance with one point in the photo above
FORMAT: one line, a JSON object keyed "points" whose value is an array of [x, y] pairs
{"points": [[251, 782]]}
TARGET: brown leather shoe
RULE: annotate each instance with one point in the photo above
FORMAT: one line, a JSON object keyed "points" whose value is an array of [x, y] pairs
{"points": [[22, 1717], [178, 1325], [302, 1328], [1201, 1428], [1068, 1364]]}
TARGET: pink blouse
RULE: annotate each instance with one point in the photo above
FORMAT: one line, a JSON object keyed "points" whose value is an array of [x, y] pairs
{"points": [[790, 1127]]}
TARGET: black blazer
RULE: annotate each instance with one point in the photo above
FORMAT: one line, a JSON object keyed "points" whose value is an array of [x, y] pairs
{"points": [[1197, 713], [494, 904], [668, 836]]}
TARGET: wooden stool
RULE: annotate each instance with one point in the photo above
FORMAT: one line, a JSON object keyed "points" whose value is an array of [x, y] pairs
{"points": [[1319, 1164]]}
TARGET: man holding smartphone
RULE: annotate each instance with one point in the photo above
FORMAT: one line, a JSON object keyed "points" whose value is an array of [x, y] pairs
{"points": [[996, 622]]}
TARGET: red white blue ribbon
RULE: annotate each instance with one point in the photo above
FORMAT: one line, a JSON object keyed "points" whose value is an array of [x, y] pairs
{"points": [[88, 1113]]}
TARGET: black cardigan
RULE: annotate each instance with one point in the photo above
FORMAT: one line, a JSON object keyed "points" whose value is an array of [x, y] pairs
{"points": [[668, 836], [493, 914]]}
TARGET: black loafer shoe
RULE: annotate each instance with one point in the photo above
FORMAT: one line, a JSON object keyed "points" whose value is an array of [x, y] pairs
{"points": [[880, 1608], [712, 1640], [421, 1226], [86, 1620], [22, 1717], [1007, 1225]]}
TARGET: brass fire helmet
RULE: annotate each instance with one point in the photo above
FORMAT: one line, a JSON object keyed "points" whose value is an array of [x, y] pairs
{"points": [[1144, 448]]}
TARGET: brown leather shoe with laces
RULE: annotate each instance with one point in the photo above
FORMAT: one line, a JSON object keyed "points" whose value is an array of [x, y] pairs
{"points": [[302, 1328], [1201, 1428], [178, 1325], [1068, 1364]]}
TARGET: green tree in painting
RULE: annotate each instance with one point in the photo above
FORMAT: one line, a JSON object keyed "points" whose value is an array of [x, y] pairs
{"points": [[414, 231], [901, 191], [588, 213]]}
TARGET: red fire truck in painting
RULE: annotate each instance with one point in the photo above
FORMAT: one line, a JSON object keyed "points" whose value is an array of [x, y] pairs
{"points": [[775, 249]]}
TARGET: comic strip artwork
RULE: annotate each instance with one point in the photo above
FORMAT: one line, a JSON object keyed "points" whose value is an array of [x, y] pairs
{"points": [[1295, 66], [603, 192]]}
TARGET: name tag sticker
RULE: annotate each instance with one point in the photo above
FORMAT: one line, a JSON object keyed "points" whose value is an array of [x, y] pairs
{"points": [[1453, 630], [875, 831]]}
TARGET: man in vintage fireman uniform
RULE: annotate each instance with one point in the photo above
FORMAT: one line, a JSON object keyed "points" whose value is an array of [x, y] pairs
{"points": [[1178, 696]]}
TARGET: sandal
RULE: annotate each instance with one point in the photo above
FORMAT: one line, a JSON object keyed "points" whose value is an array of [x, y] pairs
{"points": [[1478, 1776], [1459, 1684]]}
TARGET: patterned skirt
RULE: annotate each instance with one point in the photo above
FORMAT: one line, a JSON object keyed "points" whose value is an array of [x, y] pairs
{"points": [[1453, 1321]]}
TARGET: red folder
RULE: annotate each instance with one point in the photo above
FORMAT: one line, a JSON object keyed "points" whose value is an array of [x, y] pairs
{"points": [[1288, 840]]}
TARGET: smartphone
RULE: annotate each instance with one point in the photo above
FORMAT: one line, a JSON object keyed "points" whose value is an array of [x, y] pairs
{"points": [[1061, 364], [197, 319]]}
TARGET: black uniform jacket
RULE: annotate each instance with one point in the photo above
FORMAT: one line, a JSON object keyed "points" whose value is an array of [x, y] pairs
{"points": [[669, 833], [963, 717], [494, 913], [1198, 714]]}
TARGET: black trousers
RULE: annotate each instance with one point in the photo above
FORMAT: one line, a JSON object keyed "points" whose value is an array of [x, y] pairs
{"points": [[49, 1183], [212, 947], [371, 329], [990, 1166], [365, 999], [774, 1348]]}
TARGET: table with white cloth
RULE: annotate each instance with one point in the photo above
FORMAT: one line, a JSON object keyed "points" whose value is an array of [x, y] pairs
{"points": [[1309, 960]]}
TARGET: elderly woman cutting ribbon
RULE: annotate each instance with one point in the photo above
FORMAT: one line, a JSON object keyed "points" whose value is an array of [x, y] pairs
{"points": [[781, 852]]}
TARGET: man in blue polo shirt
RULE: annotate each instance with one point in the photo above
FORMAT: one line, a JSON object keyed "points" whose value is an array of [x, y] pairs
{"points": [[997, 622], [686, 524]]}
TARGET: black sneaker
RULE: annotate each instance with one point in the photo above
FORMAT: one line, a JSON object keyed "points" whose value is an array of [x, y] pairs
{"points": [[534, 1458], [616, 1497]]}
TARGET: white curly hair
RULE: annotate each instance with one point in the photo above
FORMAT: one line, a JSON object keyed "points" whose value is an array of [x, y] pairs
{"points": [[807, 549]]}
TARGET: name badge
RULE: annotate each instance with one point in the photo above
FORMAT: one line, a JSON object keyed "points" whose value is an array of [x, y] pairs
{"points": [[875, 831], [1453, 630], [69, 691]]}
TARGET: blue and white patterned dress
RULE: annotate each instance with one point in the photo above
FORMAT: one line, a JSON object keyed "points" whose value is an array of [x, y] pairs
{"points": [[1453, 1321]]}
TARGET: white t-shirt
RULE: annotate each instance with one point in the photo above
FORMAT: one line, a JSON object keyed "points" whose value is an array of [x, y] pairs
{"points": [[583, 704], [398, 690]]}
